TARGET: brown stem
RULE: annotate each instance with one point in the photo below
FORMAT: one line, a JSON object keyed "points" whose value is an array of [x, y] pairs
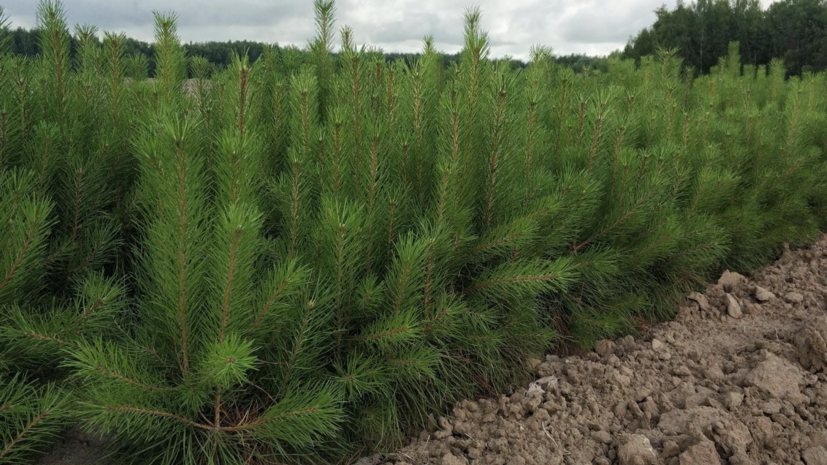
{"points": [[336, 159], [295, 211], [126, 380], [503, 240], [390, 230], [296, 347], [16, 264], [225, 308], [182, 222], [78, 194], [217, 407], [88, 312], [4, 138], [266, 307], [390, 90], [530, 141], [492, 177], [560, 118], [114, 48], [305, 121], [493, 282], [24, 432], [405, 164], [428, 276], [356, 114], [595, 142], [277, 120], [628, 213], [53, 340], [384, 334], [242, 100], [618, 147], [340, 249], [400, 289]]}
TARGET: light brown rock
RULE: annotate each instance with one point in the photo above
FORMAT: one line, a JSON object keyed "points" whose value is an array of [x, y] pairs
{"points": [[447, 429], [776, 376], [733, 308], [729, 280], [703, 453], [679, 422], [794, 297], [451, 459], [763, 295], [703, 302], [811, 346], [637, 450], [815, 456]]}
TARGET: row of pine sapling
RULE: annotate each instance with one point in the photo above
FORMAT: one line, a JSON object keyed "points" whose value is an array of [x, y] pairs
{"points": [[308, 257]]}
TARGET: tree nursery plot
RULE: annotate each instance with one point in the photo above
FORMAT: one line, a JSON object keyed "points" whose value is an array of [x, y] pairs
{"points": [[305, 259]]}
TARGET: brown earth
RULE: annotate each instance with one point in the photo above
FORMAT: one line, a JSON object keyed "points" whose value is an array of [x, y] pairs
{"points": [[738, 378], [77, 448]]}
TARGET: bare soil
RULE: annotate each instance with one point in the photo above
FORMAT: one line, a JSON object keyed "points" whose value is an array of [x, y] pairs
{"points": [[77, 448], [737, 378]]}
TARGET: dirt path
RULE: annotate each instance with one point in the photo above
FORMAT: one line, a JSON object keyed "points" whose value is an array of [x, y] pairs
{"points": [[738, 378]]}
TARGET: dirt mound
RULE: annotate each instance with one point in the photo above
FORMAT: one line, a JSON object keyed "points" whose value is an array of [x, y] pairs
{"points": [[738, 378]]}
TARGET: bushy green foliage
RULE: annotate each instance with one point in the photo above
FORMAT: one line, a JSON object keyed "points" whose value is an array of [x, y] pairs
{"points": [[306, 258]]}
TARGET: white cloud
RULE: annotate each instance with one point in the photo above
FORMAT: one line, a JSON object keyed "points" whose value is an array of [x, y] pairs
{"points": [[569, 26]]}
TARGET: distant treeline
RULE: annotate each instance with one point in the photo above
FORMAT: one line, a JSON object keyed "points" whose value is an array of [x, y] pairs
{"points": [[26, 42], [794, 30]]}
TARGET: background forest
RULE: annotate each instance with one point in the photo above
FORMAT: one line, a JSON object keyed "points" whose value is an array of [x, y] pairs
{"points": [[793, 30]]}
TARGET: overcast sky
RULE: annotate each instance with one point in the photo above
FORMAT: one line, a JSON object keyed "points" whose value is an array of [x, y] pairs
{"points": [[594, 27]]}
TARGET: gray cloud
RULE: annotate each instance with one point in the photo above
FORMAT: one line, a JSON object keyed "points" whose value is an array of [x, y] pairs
{"points": [[610, 23], [569, 26]]}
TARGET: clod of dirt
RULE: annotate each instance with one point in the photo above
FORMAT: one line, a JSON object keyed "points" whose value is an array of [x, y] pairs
{"points": [[776, 376], [637, 451], [701, 300], [815, 456], [812, 346], [732, 400], [680, 421], [657, 346], [730, 280], [703, 453], [451, 459], [447, 429], [733, 308], [740, 459], [763, 295], [794, 297], [549, 382]]}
